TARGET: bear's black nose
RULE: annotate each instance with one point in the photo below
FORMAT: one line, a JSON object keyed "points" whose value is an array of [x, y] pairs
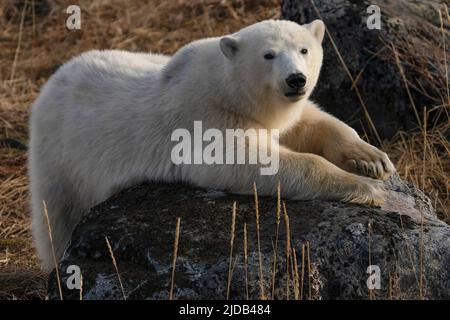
{"points": [[296, 81]]}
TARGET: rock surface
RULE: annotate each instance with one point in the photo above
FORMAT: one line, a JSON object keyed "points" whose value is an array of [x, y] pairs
{"points": [[412, 26], [140, 224]]}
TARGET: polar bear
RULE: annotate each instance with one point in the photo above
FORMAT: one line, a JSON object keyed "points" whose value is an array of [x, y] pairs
{"points": [[104, 122]]}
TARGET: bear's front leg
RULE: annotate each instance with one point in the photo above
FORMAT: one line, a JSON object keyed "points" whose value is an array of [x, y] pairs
{"points": [[357, 156], [302, 176], [320, 133]]}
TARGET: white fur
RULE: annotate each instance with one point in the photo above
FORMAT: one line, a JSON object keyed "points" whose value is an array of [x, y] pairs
{"points": [[104, 121]]}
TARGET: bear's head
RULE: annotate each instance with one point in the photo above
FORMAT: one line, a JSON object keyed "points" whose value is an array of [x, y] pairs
{"points": [[279, 61]]}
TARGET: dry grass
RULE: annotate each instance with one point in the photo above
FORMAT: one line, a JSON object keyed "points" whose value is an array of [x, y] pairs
{"points": [[262, 294], [175, 254], [275, 250], [230, 269], [288, 248], [422, 157], [246, 260], [32, 49], [114, 262], [34, 42], [55, 262]]}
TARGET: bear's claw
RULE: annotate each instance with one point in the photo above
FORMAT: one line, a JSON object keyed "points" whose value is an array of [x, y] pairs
{"points": [[367, 160]]}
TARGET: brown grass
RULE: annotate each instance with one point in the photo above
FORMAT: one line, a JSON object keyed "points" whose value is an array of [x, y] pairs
{"points": [[174, 257], [230, 264], [31, 52], [288, 248], [369, 231], [423, 156], [262, 294], [34, 42], [114, 262], [55, 262], [275, 251], [246, 260], [423, 159]]}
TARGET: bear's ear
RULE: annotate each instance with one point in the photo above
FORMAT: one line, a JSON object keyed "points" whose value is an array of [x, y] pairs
{"points": [[317, 28], [229, 47]]}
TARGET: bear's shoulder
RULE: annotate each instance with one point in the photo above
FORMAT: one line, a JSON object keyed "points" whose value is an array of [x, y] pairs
{"points": [[193, 57]]}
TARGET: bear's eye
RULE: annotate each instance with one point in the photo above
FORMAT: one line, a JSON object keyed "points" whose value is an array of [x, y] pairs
{"points": [[304, 51], [269, 56]]}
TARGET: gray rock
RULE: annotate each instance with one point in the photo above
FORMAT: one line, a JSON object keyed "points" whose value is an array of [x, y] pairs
{"points": [[413, 26], [408, 243]]}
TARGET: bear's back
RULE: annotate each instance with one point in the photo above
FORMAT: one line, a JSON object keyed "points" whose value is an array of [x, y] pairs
{"points": [[110, 69]]}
